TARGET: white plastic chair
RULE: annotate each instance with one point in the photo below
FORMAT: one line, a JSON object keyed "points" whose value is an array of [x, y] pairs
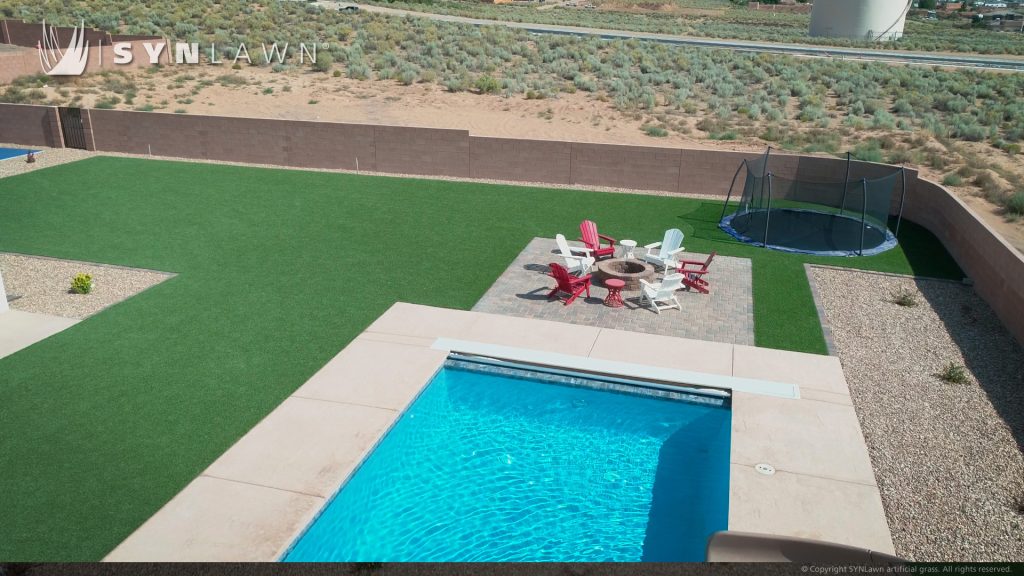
{"points": [[575, 264], [664, 253], [662, 292]]}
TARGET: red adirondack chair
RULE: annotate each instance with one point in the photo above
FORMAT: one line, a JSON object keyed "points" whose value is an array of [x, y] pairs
{"points": [[694, 277], [590, 237], [568, 283]]}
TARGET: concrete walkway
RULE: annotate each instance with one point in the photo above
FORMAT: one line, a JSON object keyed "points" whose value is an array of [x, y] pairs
{"points": [[20, 330]]}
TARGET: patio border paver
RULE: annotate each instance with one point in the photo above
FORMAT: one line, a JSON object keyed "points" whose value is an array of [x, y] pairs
{"points": [[823, 489]]}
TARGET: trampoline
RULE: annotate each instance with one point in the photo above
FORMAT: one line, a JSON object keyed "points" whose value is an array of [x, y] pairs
{"points": [[790, 206]]}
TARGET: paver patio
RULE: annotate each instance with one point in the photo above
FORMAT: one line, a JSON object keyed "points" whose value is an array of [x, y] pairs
{"points": [[724, 315]]}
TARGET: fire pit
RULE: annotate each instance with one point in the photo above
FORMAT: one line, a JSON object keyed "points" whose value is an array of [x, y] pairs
{"points": [[629, 271]]}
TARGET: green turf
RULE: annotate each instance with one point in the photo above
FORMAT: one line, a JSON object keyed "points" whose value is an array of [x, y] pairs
{"points": [[277, 271]]}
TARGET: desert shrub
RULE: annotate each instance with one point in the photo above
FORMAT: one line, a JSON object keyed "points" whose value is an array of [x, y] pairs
{"points": [[988, 183], [883, 120], [357, 71], [772, 134], [655, 131], [966, 128], [107, 102], [1015, 204], [905, 297], [869, 151], [487, 84], [812, 113], [952, 179], [903, 107], [232, 80], [324, 62], [954, 373], [81, 284], [408, 74], [585, 84]]}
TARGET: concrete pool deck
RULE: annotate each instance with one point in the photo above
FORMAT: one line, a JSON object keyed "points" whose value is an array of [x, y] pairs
{"points": [[253, 501]]}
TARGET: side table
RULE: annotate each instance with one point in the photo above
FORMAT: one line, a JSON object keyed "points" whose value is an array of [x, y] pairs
{"points": [[614, 298]]}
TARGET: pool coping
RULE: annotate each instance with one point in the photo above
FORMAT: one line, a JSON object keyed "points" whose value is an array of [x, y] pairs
{"points": [[256, 498]]}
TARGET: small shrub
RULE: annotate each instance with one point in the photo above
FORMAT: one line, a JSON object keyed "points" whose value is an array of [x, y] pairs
{"points": [[906, 298], [487, 84], [81, 284], [655, 131], [268, 90], [107, 103], [870, 151], [954, 373], [987, 182], [952, 179], [336, 74], [1015, 204], [323, 63], [232, 80]]}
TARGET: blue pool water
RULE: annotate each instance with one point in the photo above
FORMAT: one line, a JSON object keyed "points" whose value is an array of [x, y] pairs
{"points": [[493, 467], [6, 153]]}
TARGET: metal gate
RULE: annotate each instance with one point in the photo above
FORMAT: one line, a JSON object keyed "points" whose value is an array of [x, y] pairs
{"points": [[71, 126]]}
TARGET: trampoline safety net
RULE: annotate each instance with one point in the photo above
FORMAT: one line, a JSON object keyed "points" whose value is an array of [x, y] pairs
{"points": [[781, 210]]}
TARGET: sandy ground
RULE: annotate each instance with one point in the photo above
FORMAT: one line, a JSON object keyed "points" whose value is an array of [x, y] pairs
{"points": [[579, 117]]}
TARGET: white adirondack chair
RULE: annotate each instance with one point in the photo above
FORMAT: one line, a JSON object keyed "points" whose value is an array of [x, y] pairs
{"points": [[575, 263], [662, 292], [664, 253]]}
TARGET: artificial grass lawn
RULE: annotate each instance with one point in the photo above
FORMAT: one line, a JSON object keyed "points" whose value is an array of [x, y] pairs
{"points": [[278, 270]]}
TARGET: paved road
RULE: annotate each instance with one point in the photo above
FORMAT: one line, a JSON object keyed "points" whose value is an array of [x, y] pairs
{"points": [[901, 57]]}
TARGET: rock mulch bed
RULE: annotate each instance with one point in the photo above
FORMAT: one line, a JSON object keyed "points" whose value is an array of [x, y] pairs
{"points": [[45, 158], [947, 456], [44, 284]]}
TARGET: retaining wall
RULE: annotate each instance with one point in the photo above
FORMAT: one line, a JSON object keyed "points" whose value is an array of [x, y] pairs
{"points": [[996, 268]]}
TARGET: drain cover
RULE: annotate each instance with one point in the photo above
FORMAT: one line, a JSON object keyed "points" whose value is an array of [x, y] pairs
{"points": [[766, 469]]}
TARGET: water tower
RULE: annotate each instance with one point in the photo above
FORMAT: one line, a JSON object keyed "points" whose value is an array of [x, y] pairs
{"points": [[874, 20]]}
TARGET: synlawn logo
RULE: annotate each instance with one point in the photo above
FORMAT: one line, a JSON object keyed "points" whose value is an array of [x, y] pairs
{"points": [[68, 63], [72, 62]]}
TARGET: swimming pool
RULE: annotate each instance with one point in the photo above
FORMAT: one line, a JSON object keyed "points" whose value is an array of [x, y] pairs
{"points": [[6, 153], [499, 464]]}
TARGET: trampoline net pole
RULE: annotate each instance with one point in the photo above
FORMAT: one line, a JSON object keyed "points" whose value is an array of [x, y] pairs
{"points": [[903, 198], [863, 215], [729, 195], [846, 185], [768, 212]]}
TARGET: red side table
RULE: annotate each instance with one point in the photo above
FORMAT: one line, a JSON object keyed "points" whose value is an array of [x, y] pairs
{"points": [[614, 298]]}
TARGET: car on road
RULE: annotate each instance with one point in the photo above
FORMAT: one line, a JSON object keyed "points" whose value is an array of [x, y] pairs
{"points": [[348, 9]]}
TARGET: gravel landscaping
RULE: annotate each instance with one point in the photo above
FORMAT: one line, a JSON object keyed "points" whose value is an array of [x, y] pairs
{"points": [[947, 456], [43, 285], [45, 158]]}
